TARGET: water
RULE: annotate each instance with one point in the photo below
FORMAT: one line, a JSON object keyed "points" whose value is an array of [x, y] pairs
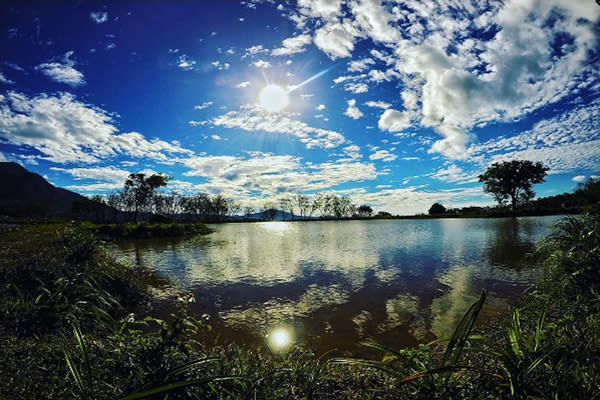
{"points": [[333, 284]]}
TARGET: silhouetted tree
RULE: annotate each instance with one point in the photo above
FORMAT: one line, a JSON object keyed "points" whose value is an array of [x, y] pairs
{"points": [[138, 190], [365, 211], [437, 209], [513, 180]]}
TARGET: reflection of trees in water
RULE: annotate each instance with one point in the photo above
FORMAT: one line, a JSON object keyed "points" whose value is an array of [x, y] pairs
{"points": [[464, 287], [397, 282], [509, 240]]}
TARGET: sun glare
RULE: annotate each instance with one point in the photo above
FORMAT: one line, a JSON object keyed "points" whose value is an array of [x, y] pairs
{"points": [[280, 339], [273, 98]]}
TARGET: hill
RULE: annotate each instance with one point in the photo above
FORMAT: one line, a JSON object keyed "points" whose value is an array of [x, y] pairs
{"points": [[27, 194]]}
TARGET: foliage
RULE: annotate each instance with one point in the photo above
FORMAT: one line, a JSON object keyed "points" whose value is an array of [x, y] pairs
{"points": [[138, 190], [365, 210], [86, 346], [423, 367], [437, 209], [52, 274], [146, 230], [513, 180]]}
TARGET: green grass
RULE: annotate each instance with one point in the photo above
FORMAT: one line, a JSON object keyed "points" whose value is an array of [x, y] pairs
{"points": [[65, 333], [147, 230]]}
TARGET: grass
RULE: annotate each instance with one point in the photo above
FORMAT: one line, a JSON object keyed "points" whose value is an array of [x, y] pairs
{"points": [[147, 230], [65, 332]]}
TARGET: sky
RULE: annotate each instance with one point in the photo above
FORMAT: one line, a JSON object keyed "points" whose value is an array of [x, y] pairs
{"points": [[397, 104]]}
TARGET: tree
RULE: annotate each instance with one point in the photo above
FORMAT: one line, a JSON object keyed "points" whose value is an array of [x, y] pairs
{"points": [[513, 180], [139, 190], [365, 211], [248, 210], [233, 207], [268, 210], [218, 207], [437, 209], [303, 204], [287, 204]]}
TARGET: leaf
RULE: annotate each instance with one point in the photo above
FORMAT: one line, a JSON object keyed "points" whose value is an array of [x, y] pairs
{"points": [[176, 385], [462, 331]]}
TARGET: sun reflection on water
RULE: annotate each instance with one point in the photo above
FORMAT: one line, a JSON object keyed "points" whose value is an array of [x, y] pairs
{"points": [[275, 226], [280, 339]]}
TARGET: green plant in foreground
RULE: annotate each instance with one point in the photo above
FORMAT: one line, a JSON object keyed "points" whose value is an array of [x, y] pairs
{"points": [[412, 365], [523, 355]]}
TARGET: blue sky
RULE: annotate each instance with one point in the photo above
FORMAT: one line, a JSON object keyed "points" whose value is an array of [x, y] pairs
{"points": [[396, 104]]}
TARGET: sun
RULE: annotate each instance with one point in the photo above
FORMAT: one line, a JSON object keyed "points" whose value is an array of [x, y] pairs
{"points": [[273, 98]]}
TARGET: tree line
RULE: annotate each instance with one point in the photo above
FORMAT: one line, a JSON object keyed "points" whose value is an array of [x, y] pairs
{"points": [[141, 199], [510, 183]]}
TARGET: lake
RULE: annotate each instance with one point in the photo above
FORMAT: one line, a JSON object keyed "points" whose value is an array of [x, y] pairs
{"points": [[332, 284]]}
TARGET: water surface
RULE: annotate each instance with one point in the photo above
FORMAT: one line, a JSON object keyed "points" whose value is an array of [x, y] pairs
{"points": [[335, 283]]}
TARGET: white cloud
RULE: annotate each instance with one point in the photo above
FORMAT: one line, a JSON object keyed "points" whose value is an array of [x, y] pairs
{"points": [[383, 155], [454, 174], [394, 121], [337, 40], [262, 64], [220, 66], [410, 99], [378, 104], [243, 84], [566, 143], [360, 65], [254, 119], [267, 174], [579, 178], [352, 111], [320, 107], [64, 130], [356, 87], [454, 80], [185, 63], [108, 174], [375, 20], [254, 50], [352, 152], [5, 80], [63, 71], [203, 106], [99, 17], [216, 137], [351, 78], [292, 45], [326, 9]]}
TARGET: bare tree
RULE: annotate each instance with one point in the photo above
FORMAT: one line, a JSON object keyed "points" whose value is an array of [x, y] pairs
{"points": [[303, 204], [268, 210], [248, 210], [287, 204], [233, 207]]}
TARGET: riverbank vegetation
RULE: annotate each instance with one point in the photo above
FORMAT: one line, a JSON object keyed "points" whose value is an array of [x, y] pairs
{"points": [[67, 331], [147, 230]]}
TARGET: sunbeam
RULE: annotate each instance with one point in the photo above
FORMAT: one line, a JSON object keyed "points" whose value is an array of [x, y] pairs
{"points": [[312, 78]]}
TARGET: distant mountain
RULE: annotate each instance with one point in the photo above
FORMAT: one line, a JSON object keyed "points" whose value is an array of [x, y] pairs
{"points": [[26, 194], [272, 214]]}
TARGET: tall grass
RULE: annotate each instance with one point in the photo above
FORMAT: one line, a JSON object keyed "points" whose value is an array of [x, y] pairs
{"points": [[64, 333]]}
